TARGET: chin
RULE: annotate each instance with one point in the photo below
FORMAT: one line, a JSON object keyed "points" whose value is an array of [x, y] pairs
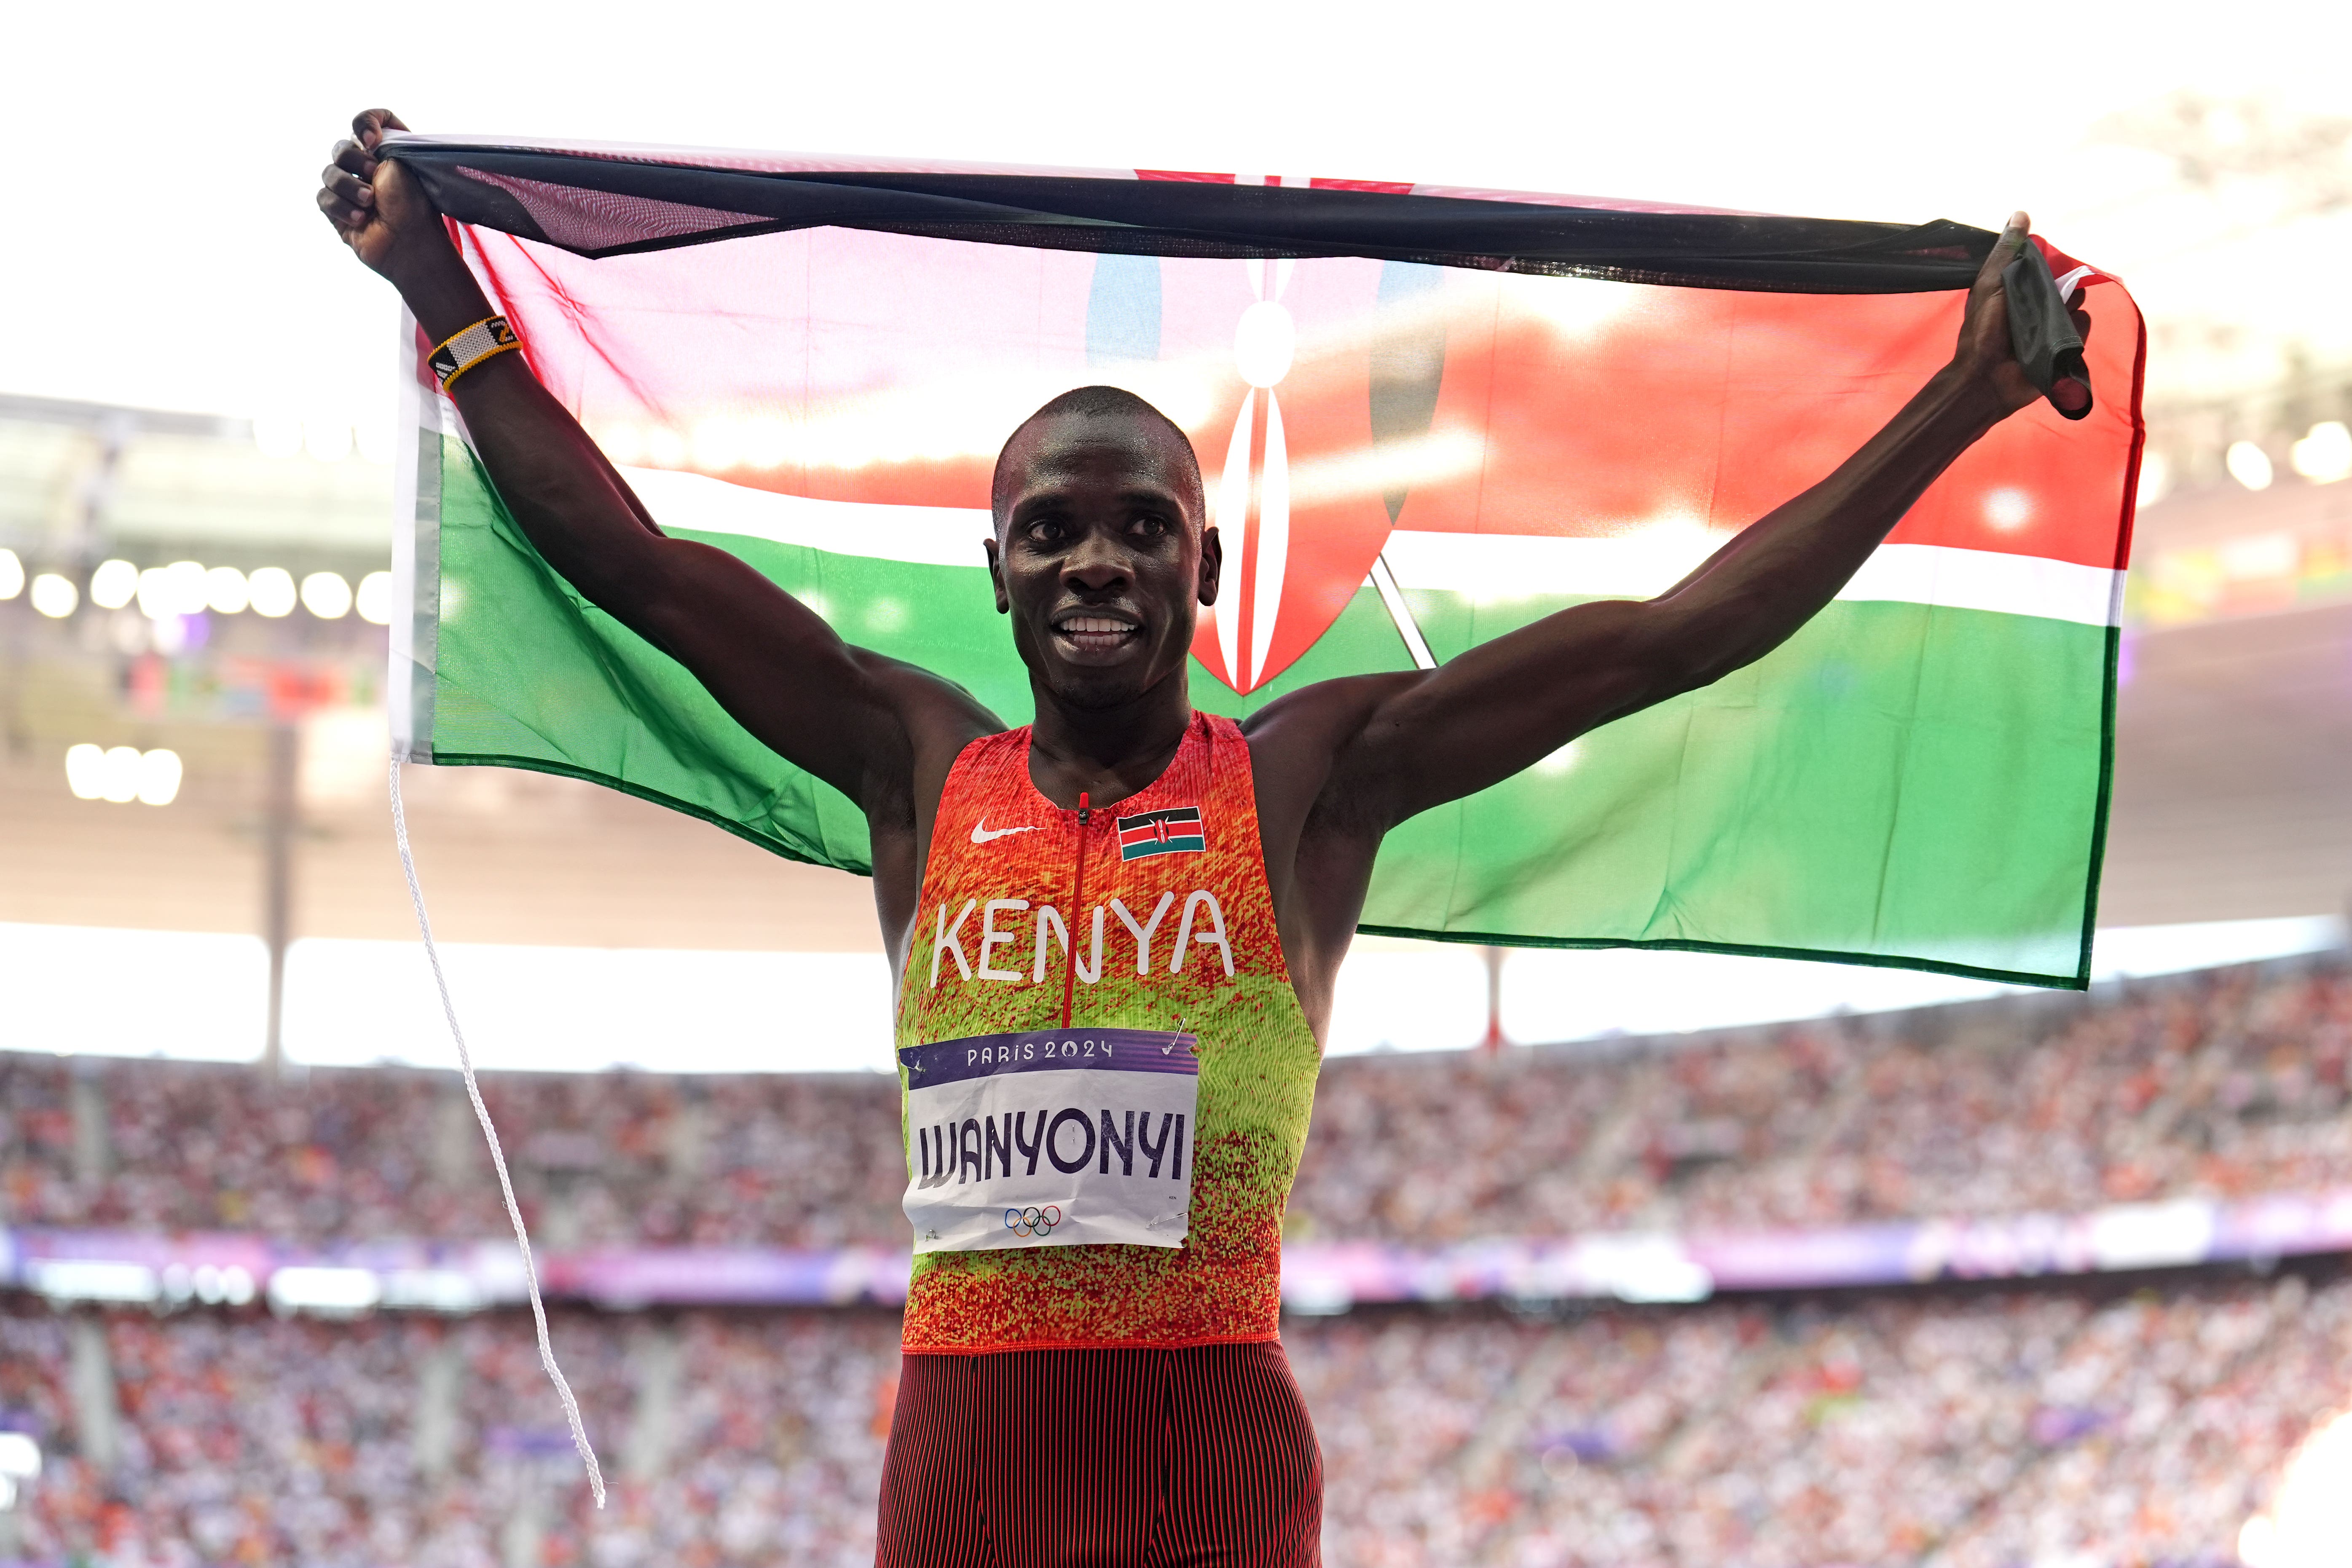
{"points": [[1083, 688]]}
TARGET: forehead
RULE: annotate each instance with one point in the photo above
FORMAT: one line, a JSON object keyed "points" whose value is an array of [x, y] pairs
{"points": [[1087, 449]]}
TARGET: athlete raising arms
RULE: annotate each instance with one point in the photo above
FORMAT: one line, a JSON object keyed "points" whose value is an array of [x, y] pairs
{"points": [[1093, 1373]]}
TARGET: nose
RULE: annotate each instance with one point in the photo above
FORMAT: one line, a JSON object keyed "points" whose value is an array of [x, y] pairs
{"points": [[1097, 565]]}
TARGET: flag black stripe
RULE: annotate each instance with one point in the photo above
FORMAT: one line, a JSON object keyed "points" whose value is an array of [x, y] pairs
{"points": [[1178, 217], [1171, 815]]}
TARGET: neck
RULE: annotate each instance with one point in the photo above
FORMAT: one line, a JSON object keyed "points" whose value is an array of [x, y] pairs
{"points": [[1109, 754]]}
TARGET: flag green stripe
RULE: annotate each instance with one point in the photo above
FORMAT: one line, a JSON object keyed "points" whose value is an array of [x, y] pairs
{"points": [[1900, 784]]}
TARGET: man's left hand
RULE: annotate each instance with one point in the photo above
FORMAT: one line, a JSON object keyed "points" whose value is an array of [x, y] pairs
{"points": [[1984, 357]]}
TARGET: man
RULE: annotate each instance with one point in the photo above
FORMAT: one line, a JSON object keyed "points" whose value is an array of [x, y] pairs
{"points": [[1116, 931]]}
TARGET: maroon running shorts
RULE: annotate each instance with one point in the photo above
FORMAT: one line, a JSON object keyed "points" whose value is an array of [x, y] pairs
{"points": [[1202, 1458]]}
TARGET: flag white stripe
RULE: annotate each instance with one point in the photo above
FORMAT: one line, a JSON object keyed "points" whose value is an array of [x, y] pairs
{"points": [[1492, 568], [1988, 580], [1498, 568], [921, 535]]}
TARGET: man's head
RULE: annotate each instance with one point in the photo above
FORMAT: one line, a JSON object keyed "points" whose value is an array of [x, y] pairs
{"points": [[1102, 550]]}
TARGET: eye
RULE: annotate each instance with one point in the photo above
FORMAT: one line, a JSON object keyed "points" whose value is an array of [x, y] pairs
{"points": [[1151, 525], [1046, 531]]}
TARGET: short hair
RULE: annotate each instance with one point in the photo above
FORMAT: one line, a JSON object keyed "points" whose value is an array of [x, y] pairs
{"points": [[1096, 403]]}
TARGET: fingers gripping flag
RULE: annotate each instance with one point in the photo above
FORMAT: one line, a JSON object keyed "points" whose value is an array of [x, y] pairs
{"points": [[1425, 417]]}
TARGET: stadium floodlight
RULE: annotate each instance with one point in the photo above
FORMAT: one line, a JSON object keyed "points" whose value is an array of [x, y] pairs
{"points": [[159, 777], [182, 588], [377, 441], [2249, 465], [375, 599], [278, 437], [86, 771], [156, 597], [2323, 457], [326, 595], [225, 591], [91, 1279], [271, 590], [12, 575], [189, 588], [335, 1292], [113, 585], [55, 596], [117, 775], [327, 440]]}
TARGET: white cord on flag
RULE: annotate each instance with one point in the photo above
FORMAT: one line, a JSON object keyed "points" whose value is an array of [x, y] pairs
{"points": [[497, 1154]]}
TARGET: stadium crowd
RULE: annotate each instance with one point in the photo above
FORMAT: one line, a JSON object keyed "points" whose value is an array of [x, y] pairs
{"points": [[2219, 1084], [1980, 1431], [409, 1443], [1976, 1429], [2023, 1427]]}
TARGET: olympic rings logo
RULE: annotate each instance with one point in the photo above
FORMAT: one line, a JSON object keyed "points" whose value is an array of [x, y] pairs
{"points": [[1032, 1221]]}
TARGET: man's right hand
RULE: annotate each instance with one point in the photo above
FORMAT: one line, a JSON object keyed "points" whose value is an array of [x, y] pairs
{"points": [[376, 208], [882, 733]]}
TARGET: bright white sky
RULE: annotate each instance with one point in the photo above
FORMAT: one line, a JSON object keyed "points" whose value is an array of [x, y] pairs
{"points": [[158, 160]]}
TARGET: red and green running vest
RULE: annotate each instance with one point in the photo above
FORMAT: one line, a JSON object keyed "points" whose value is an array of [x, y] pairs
{"points": [[1096, 1021]]}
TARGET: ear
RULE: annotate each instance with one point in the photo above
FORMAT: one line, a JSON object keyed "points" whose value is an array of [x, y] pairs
{"points": [[1213, 563], [996, 577]]}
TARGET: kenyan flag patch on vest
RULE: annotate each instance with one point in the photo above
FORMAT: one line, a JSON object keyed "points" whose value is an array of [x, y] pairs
{"points": [[1170, 832]]}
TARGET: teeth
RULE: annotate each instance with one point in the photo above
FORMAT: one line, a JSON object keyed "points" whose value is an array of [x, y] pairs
{"points": [[1091, 623]]}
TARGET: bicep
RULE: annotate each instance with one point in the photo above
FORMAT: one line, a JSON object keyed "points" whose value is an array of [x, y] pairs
{"points": [[852, 717]]}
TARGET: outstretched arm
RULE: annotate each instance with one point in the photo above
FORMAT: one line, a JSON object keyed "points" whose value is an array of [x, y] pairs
{"points": [[853, 718], [1505, 704]]}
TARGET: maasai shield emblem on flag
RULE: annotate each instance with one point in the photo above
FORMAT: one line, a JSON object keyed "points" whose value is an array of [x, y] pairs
{"points": [[1425, 417]]}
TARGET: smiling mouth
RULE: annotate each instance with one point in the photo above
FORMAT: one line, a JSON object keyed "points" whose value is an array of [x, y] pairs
{"points": [[1095, 632]]}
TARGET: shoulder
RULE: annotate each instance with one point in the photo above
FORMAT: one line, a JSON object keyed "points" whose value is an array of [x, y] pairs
{"points": [[933, 710], [1326, 708], [1302, 743], [936, 720]]}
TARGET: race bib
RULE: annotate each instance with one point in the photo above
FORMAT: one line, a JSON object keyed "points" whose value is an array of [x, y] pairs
{"points": [[1058, 1137]]}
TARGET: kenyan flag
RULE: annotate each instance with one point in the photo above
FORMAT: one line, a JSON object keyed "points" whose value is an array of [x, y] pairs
{"points": [[1170, 832], [1425, 417]]}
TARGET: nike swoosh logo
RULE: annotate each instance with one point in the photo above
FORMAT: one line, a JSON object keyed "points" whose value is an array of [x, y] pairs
{"points": [[982, 833]]}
